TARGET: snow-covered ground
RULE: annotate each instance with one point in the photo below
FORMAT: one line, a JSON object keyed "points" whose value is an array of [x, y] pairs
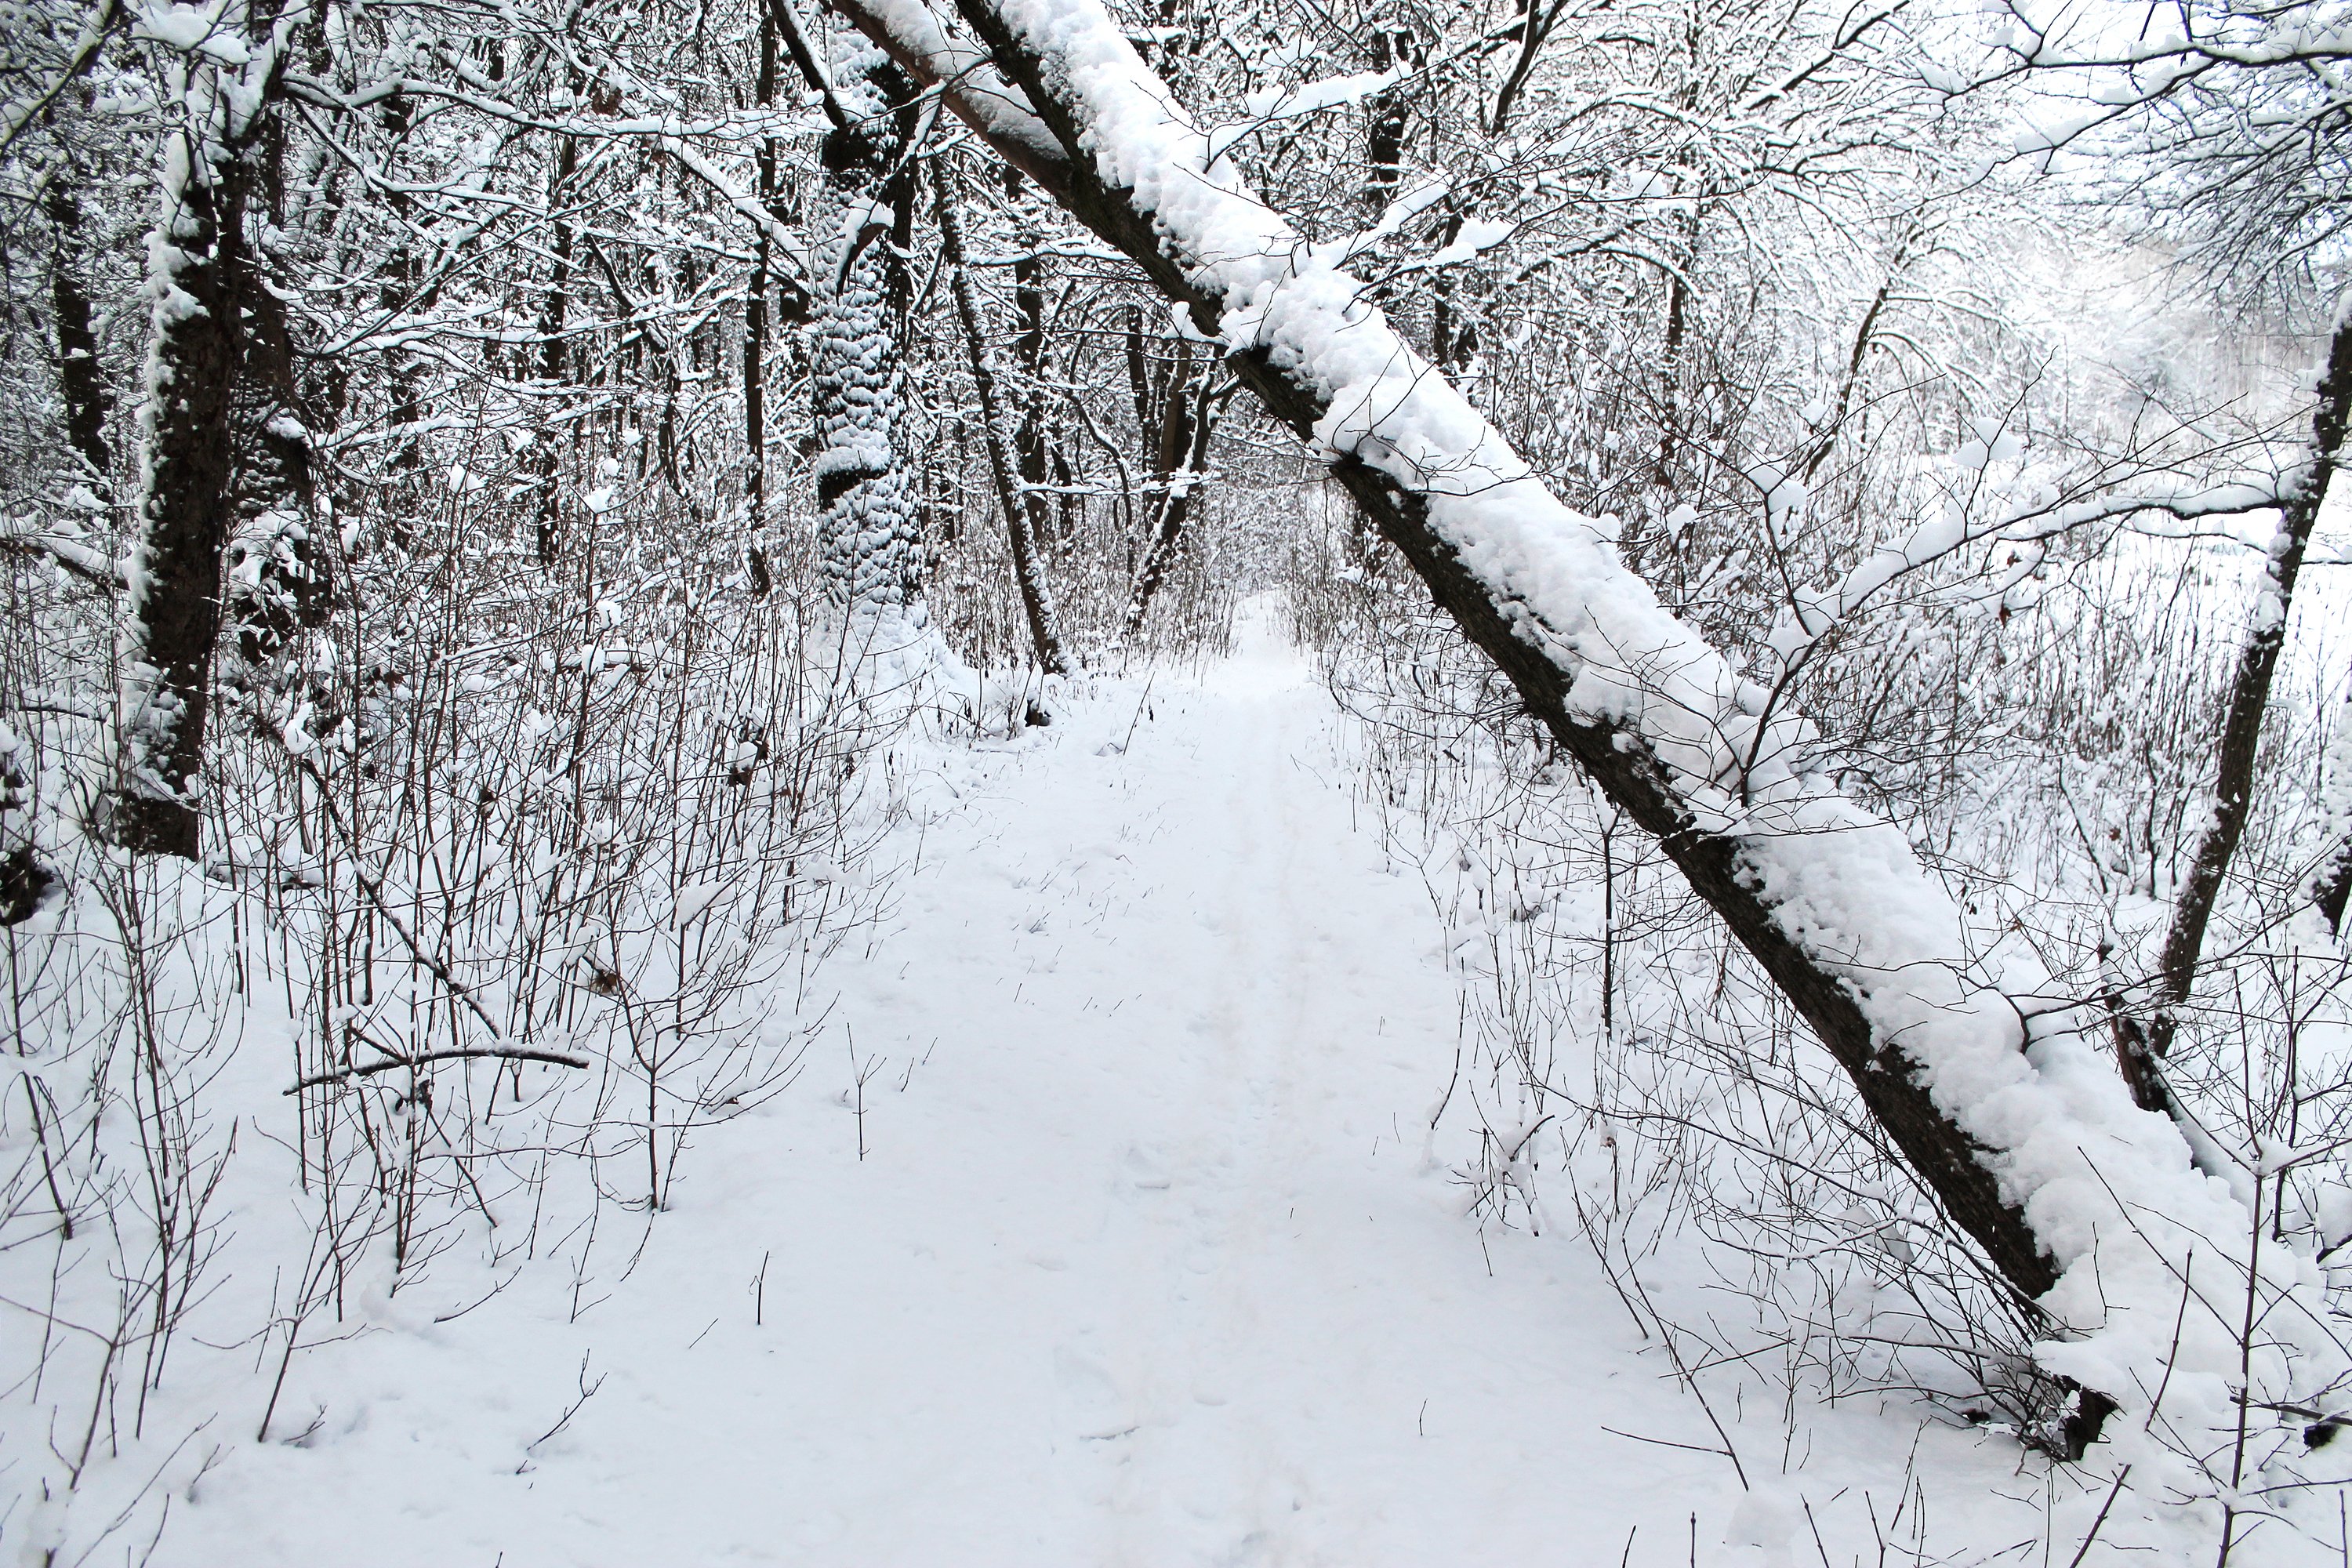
{"points": [[1149, 1259]]}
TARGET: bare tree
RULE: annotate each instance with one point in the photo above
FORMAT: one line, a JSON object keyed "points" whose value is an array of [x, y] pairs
{"points": [[2141, 1052]]}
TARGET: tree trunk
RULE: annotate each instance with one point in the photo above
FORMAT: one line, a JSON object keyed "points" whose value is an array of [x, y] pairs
{"points": [[1029, 437], [192, 363], [81, 381], [2142, 1059], [276, 582], [1388, 117], [868, 540], [2331, 885], [1037, 598], [1188, 418], [554, 361], [755, 337]]}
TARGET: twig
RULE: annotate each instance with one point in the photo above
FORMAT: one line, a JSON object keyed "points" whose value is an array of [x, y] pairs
{"points": [[1140, 702], [369, 885], [2085, 1550], [587, 1392], [510, 1053]]}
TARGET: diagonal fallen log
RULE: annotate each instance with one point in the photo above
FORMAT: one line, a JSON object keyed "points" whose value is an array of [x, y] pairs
{"points": [[2088, 1206]]}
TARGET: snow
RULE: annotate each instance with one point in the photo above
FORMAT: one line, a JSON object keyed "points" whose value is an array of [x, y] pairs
{"points": [[1150, 1257], [192, 29], [2107, 1189], [1269, 105]]}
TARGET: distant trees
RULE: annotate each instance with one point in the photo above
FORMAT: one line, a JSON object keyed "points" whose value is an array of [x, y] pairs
{"points": [[1028, 569]]}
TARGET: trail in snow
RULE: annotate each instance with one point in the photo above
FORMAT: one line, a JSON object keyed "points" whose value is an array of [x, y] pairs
{"points": [[1148, 1262]]}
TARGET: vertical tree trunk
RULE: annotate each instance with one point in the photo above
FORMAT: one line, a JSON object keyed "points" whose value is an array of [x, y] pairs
{"points": [[554, 361], [1384, 133], [2331, 885], [1188, 418], [196, 255], [868, 540], [755, 336], [397, 295], [1029, 438], [2141, 1058], [1453, 339], [276, 581], [1037, 598], [81, 382]]}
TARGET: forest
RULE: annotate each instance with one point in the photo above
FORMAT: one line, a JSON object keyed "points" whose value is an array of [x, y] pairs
{"points": [[1168, 781]]}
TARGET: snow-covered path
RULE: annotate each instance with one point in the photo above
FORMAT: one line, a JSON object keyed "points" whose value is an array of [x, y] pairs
{"points": [[1147, 1261]]}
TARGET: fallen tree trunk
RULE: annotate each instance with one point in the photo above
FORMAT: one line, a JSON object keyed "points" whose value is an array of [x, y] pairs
{"points": [[2086, 1206]]}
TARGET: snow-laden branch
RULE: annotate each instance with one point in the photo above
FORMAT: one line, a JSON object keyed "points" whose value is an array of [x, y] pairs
{"points": [[1950, 531], [1272, 105], [2081, 1199], [747, 206], [19, 113], [674, 134], [974, 88], [72, 551]]}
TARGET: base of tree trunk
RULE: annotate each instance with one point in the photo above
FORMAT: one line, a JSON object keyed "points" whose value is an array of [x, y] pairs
{"points": [[146, 825]]}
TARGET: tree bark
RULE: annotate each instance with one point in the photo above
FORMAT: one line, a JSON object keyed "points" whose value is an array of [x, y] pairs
{"points": [[554, 361], [1388, 116], [192, 363], [755, 336], [868, 542], [2142, 1059], [81, 381], [277, 581], [1188, 418], [2331, 885], [1037, 598], [1029, 437]]}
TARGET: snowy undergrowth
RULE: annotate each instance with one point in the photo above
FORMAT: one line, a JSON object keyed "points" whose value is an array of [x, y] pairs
{"points": [[1624, 1077], [495, 925], [1103, 1222]]}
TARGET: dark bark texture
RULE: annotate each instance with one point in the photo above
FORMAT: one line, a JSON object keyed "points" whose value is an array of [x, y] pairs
{"points": [[554, 360], [279, 577], [184, 525], [755, 338], [80, 381]]}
